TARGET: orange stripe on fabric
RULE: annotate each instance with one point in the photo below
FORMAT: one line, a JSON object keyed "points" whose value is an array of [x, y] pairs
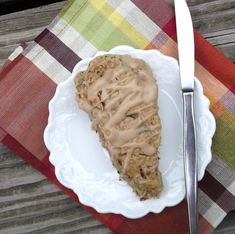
{"points": [[217, 109], [210, 58], [214, 61], [213, 88]]}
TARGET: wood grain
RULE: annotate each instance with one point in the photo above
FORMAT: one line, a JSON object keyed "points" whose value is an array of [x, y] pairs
{"points": [[29, 203], [24, 26], [8, 6]]}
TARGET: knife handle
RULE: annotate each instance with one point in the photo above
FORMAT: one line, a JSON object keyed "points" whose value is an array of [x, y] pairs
{"points": [[190, 159]]}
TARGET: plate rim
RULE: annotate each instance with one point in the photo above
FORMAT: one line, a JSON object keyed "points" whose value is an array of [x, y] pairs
{"points": [[52, 154]]}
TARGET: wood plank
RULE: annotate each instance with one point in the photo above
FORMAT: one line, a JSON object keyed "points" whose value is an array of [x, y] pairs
{"points": [[214, 21], [29, 19], [207, 7], [31, 203], [8, 6], [24, 26]]}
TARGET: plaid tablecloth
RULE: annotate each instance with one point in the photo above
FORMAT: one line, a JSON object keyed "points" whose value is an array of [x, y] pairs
{"points": [[28, 82]]}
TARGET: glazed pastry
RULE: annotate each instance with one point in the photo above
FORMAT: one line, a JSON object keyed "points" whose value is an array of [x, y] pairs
{"points": [[120, 95]]}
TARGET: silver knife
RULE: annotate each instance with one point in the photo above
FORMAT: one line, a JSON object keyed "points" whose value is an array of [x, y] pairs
{"points": [[185, 40]]}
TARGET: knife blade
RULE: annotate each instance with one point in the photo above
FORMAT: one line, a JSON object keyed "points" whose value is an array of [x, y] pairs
{"points": [[185, 39]]}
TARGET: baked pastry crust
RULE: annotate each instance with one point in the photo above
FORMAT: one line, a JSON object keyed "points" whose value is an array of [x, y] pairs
{"points": [[119, 94]]}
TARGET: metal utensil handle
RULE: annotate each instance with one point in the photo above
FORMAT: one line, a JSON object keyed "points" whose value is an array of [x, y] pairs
{"points": [[190, 160]]}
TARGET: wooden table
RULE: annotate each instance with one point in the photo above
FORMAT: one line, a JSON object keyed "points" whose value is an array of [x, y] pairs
{"points": [[30, 203]]}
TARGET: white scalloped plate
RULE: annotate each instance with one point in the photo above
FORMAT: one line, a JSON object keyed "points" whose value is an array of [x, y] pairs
{"points": [[82, 165]]}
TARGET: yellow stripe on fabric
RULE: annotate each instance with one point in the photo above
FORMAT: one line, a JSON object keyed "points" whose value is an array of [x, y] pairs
{"points": [[94, 27], [119, 21], [98, 29]]}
